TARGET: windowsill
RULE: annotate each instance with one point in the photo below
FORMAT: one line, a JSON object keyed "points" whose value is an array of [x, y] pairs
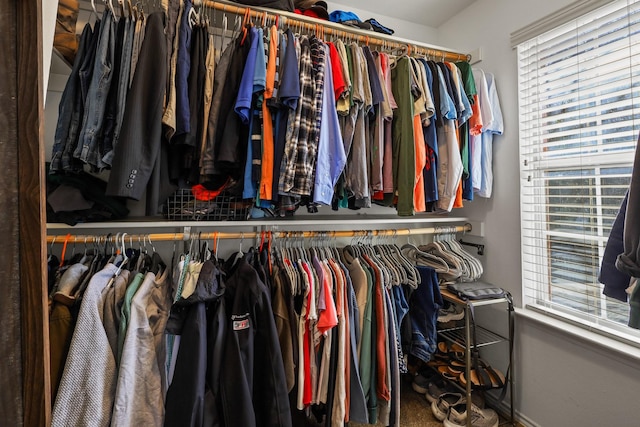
{"points": [[583, 334]]}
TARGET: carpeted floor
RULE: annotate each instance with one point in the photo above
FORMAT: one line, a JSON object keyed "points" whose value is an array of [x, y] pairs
{"points": [[414, 410]]}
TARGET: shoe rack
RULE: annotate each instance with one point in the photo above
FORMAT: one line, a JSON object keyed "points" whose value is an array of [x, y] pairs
{"points": [[483, 337]]}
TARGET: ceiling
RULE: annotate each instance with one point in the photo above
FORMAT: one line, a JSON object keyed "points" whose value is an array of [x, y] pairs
{"points": [[431, 13]]}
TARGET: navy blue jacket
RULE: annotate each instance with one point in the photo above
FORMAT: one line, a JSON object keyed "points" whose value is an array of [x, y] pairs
{"points": [[615, 281]]}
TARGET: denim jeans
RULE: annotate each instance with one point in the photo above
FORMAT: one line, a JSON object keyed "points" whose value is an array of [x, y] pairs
{"points": [[400, 305], [96, 100], [425, 303]]}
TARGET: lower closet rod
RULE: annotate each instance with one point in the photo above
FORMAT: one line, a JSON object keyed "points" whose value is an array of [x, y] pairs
{"points": [[159, 237]]}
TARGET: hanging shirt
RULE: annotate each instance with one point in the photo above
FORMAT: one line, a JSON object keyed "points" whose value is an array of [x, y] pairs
{"points": [[450, 164], [295, 160], [288, 97], [387, 159], [305, 183], [331, 156], [495, 127], [344, 102], [474, 123], [340, 88], [484, 105], [272, 81], [357, 176], [403, 139], [430, 135], [242, 105]]}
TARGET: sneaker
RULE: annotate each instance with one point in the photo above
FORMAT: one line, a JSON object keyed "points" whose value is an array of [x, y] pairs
{"points": [[451, 313], [457, 416], [421, 381], [440, 408], [477, 399], [436, 389]]}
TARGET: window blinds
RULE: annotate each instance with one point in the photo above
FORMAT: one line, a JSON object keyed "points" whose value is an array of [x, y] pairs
{"points": [[579, 101]]}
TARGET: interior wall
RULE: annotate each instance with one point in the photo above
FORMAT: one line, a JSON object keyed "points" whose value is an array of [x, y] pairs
{"points": [[49, 13], [559, 381], [402, 28]]}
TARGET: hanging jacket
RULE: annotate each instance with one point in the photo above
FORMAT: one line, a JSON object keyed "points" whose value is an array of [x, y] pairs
{"points": [[200, 320], [254, 390], [615, 281]]}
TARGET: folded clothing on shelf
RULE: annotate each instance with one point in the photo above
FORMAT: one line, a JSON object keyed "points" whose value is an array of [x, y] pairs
{"points": [[378, 27]]}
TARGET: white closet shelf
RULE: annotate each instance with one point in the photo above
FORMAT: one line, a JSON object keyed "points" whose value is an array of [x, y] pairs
{"points": [[357, 222]]}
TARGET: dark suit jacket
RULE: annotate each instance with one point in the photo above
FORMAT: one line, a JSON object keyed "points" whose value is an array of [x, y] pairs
{"points": [[137, 157]]}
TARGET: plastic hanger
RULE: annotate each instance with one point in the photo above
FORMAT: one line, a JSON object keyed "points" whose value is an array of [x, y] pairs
{"points": [[124, 260], [51, 249], [109, 5], [239, 254], [245, 23], [193, 18], [420, 257]]}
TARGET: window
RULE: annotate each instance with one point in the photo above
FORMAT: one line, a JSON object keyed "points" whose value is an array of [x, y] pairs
{"points": [[579, 101]]}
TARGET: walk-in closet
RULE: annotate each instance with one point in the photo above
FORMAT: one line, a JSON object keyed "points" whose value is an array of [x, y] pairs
{"points": [[310, 213]]}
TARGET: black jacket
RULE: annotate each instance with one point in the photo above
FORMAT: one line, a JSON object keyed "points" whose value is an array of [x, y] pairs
{"points": [[254, 389], [193, 399]]}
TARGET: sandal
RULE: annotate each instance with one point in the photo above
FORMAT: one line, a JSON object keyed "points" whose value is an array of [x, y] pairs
{"points": [[485, 377], [452, 350], [446, 372]]}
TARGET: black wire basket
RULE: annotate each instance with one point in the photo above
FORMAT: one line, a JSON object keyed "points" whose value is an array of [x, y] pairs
{"points": [[183, 206]]}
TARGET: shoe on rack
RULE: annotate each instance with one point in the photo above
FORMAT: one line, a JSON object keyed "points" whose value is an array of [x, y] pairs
{"points": [[450, 313], [457, 416], [440, 408]]}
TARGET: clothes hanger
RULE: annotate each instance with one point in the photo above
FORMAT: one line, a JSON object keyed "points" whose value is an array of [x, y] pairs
{"points": [[193, 17], [51, 249], [455, 269], [109, 5], [395, 274], [124, 260], [94, 12], [413, 253], [239, 254], [122, 9]]}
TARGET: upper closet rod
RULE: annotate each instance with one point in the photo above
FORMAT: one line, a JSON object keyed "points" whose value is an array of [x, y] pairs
{"points": [[339, 30], [158, 237]]}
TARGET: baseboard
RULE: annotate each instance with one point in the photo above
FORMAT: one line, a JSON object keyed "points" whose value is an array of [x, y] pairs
{"points": [[503, 409]]}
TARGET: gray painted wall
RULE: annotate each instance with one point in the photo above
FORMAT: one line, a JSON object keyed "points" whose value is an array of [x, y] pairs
{"points": [[561, 380]]}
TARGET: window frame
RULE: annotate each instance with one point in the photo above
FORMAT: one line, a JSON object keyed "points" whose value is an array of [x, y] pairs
{"points": [[536, 259]]}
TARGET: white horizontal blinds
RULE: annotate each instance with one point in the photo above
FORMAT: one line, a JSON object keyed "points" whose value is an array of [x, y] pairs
{"points": [[579, 94]]}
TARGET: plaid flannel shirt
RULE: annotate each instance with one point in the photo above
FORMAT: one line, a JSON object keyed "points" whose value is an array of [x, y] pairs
{"points": [[318, 60], [294, 171]]}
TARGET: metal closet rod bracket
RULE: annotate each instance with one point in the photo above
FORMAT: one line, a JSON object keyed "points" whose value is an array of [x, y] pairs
{"points": [[478, 246]]}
